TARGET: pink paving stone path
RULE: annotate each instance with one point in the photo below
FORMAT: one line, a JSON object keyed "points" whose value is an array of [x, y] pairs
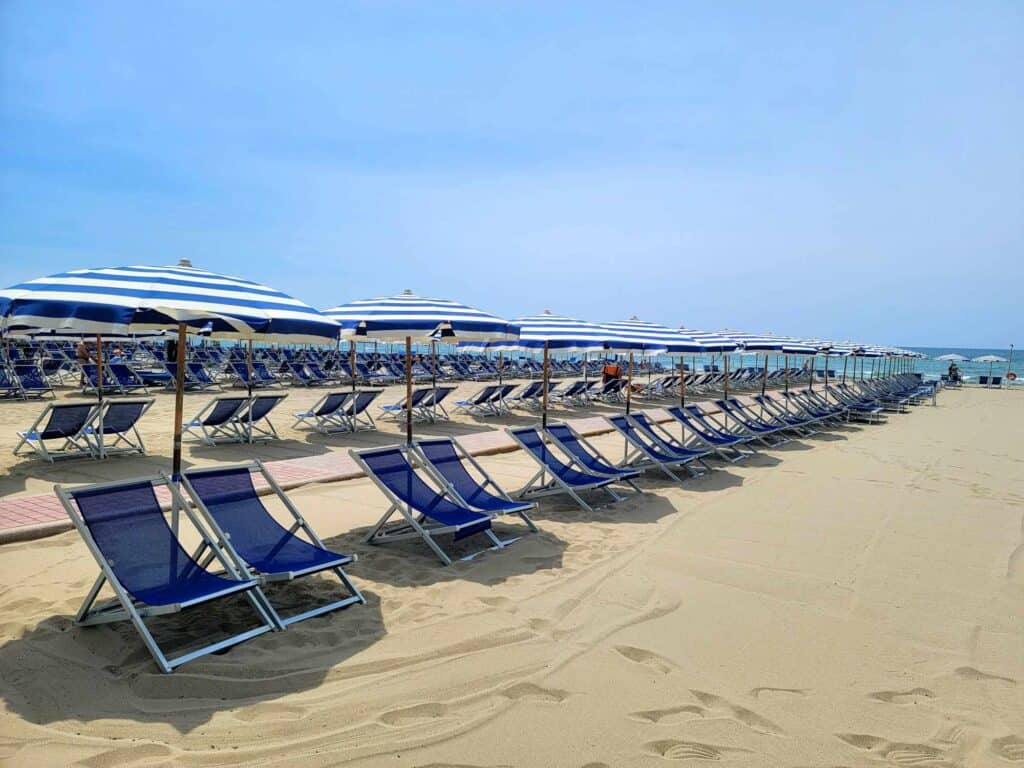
{"points": [[29, 517]]}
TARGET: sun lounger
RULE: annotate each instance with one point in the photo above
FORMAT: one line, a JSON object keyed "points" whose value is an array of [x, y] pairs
{"points": [[479, 404], [746, 423], [728, 447], [63, 422], [577, 446], [357, 410], [125, 379], [114, 427], [450, 464], [425, 513], [396, 411], [31, 381], [142, 560], [644, 449], [431, 408], [328, 414], [198, 374], [256, 542], [9, 386], [555, 477], [253, 421], [216, 422]]}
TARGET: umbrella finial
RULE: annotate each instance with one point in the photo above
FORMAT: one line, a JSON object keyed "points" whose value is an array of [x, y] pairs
{"points": [[634, 317], [407, 292], [184, 262], [547, 312]]}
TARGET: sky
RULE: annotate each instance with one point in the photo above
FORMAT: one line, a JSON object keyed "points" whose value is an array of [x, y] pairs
{"points": [[836, 170]]}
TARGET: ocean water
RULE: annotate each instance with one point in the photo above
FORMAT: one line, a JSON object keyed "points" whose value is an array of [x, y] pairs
{"points": [[934, 367]]}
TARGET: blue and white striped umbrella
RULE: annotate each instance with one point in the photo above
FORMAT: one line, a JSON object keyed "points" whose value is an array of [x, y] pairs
{"points": [[712, 342], [395, 318], [563, 334], [127, 300], [639, 335], [756, 342]]}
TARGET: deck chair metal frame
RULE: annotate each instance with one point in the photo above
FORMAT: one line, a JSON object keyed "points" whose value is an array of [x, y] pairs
{"points": [[126, 608], [637, 454], [721, 445], [261, 428], [416, 524], [74, 446], [224, 432], [222, 539], [629, 476], [122, 440], [327, 423], [539, 485], [357, 410]]}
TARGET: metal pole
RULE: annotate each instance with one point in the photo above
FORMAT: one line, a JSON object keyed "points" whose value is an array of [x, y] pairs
{"points": [[845, 361], [408, 390], [814, 362], [99, 391], [1009, 362], [501, 366]]}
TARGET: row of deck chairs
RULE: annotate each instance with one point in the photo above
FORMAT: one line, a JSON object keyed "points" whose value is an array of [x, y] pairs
{"points": [[235, 419], [94, 430], [25, 381]]}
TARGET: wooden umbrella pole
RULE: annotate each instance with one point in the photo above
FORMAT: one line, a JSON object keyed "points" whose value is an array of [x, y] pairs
{"points": [[725, 364], [682, 381], [99, 392], [179, 403], [501, 366], [408, 390], [352, 362], [629, 383], [764, 377], [544, 393]]}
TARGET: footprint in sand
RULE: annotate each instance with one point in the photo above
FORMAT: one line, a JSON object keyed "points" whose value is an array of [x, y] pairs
{"points": [[674, 749], [900, 753], [648, 658], [970, 673], [758, 692], [913, 696], [670, 716], [746, 716], [529, 691], [1009, 748], [143, 753], [498, 602], [416, 714]]}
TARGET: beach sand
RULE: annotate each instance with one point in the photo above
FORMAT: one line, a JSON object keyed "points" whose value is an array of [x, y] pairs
{"points": [[856, 599]]}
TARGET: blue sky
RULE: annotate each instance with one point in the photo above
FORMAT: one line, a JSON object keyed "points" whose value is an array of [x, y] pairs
{"points": [[844, 170]]}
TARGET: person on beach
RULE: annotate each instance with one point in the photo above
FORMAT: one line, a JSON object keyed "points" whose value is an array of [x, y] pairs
{"points": [[83, 356], [954, 373]]}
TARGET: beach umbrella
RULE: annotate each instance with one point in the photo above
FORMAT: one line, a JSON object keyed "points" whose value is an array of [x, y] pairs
{"points": [[134, 299], [406, 317], [715, 342], [953, 357], [991, 360], [653, 338]]}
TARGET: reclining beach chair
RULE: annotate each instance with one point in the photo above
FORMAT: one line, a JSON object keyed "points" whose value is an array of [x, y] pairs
{"points": [[9, 386], [31, 381], [172, 372], [256, 542], [480, 403], [253, 421], [426, 513], [197, 373], [527, 397], [327, 414], [357, 410], [555, 477], [644, 449], [215, 423], [114, 427], [125, 379], [447, 461], [66, 422], [746, 423], [396, 411], [142, 560], [727, 447], [577, 446], [431, 408]]}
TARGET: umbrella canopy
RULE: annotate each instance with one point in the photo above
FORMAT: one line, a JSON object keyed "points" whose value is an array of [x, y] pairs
{"points": [[754, 342], [637, 334], [395, 318], [127, 300], [407, 316], [712, 342], [989, 359]]}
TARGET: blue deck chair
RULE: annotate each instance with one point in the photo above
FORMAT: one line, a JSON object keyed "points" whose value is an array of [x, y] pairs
{"points": [[727, 447], [431, 408], [172, 372], [660, 436], [299, 375], [253, 421], [198, 374], [327, 415], [426, 513], [643, 449], [31, 381], [805, 423], [9, 386], [142, 560], [319, 375], [125, 379], [577, 446], [91, 378], [256, 542], [64, 422], [555, 476], [215, 422], [448, 461], [749, 424], [480, 403], [527, 397], [114, 427], [357, 410], [396, 411]]}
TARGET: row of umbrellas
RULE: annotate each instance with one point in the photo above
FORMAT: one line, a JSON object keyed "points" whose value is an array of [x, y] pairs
{"points": [[186, 300]]}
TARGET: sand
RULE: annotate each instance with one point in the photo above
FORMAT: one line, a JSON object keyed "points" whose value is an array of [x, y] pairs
{"points": [[852, 600]]}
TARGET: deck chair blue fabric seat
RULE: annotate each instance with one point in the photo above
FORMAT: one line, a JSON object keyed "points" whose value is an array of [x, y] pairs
{"points": [[357, 410], [8, 384], [574, 444], [555, 477], [327, 415], [172, 373], [254, 422], [63, 424], [750, 425], [728, 447], [448, 460], [644, 449], [31, 381], [125, 379], [258, 544], [527, 397], [431, 408], [142, 560], [91, 378], [425, 513], [216, 421], [805, 422], [197, 373], [114, 427], [479, 404], [666, 441], [396, 411]]}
